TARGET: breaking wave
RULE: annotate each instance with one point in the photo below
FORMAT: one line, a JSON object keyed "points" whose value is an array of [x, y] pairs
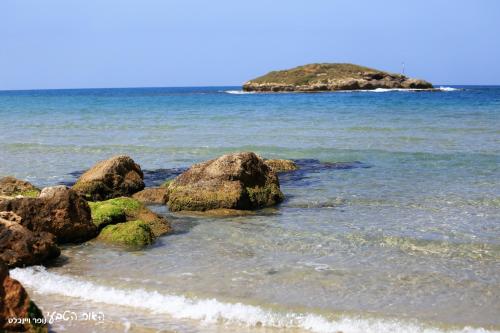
{"points": [[211, 310]]}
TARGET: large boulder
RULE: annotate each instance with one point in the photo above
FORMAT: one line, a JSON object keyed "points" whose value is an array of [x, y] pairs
{"points": [[16, 304], [21, 247], [58, 210], [112, 178], [234, 181], [11, 187]]}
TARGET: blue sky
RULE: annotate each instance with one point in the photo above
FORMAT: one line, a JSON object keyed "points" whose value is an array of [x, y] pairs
{"points": [[122, 43]]}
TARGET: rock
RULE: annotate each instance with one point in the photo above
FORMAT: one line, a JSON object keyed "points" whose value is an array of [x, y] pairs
{"points": [[123, 209], [152, 195], [21, 247], [112, 178], [11, 187], [132, 233], [281, 165], [15, 303], [234, 181], [59, 211], [331, 77]]}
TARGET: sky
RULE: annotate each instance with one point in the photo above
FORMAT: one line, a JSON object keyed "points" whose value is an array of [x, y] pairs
{"points": [[167, 43]]}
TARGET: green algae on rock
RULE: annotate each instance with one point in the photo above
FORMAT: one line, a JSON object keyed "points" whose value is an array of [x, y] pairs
{"points": [[233, 181], [135, 233], [332, 77], [120, 210]]}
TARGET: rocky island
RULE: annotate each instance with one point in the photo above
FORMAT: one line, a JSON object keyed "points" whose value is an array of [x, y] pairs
{"points": [[332, 77]]}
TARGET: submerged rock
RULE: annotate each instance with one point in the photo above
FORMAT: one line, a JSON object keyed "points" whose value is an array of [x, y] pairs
{"points": [[15, 303], [11, 187], [281, 165], [112, 178], [152, 195], [234, 181], [21, 247], [124, 210], [332, 77], [58, 210], [132, 233]]}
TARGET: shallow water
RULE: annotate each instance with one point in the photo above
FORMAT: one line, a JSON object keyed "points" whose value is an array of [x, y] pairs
{"points": [[404, 236]]}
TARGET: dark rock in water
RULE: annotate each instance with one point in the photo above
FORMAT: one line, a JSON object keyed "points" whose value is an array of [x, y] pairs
{"points": [[332, 77], [112, 178], [10, 186], [152, 195], [58, 210], [311, 166], [21, 247], [15, 303], [234, 181], [281, 165]]}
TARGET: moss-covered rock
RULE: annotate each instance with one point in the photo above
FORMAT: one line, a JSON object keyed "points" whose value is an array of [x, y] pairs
{"points": [[281, 165], [123, 210], [105, 213], [132, 233], [234, 181]]}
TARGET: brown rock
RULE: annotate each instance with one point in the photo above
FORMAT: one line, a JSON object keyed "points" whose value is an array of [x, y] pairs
{"points": [[22, 247], [10, 186], [234, 181], [59, 211], [281, 165], [15, 303], [112, 178], [152, 195]]}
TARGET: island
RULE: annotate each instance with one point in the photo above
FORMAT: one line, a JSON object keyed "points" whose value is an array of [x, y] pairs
{"points": [[332, 77]]}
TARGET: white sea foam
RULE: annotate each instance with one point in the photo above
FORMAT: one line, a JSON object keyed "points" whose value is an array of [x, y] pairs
{"points": [[380, 90], [239, 92], [209, 310], [448, 89]]}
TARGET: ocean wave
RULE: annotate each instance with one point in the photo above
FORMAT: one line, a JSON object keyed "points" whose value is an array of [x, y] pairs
{"points": [[381, 90], [238, 92], [211, 311], [448, 89]]}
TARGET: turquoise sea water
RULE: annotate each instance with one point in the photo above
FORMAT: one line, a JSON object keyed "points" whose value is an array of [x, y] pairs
{"points": [[403, 237]]}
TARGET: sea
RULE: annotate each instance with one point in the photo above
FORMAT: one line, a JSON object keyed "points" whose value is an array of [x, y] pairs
{"points": [[391, 224]]}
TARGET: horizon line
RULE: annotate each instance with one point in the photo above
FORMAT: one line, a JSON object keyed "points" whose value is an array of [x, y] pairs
{"points": [[213, 86]]}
